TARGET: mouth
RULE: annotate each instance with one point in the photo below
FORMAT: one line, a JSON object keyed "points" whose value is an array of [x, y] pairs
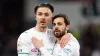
{"points": [[43, 22], [56, 31]]}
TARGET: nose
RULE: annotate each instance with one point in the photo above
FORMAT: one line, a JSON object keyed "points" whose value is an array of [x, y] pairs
{"points": [[43, 16], [56, 27]]}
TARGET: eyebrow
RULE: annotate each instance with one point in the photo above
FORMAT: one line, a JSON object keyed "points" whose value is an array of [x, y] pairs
{"points": [[39, 12], [57, 22]]}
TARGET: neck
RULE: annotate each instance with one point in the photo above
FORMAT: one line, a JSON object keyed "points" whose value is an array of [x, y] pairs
{"points": [[58, 40], [41, 29]]}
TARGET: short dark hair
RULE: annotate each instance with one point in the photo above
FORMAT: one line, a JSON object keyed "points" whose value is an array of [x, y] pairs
{"points": [[44, 5], [66, 21]]}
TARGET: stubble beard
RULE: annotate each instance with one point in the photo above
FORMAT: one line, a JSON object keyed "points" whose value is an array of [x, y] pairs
{"points": [[60, 34]]}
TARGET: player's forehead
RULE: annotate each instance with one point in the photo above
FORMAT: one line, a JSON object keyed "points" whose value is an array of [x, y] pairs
{"points": [[43, 10], [59, 20]]}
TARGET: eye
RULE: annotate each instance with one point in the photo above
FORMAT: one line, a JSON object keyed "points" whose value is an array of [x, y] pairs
{"points": [[53, 24], [39, 13], [59, 23], [46, 14]]}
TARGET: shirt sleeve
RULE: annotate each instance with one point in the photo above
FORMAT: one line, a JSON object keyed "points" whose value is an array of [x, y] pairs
{"points": [[45, 52], [22, 45], [72, 49], [76, 50]]}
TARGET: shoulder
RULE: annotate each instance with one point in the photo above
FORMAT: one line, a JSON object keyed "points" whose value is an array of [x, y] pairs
{"points": [[25, 34], [72, 45], [73, 39], [75, 48]]}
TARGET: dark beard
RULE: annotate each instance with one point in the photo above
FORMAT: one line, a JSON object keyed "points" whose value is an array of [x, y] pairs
{"points": [[61, 34]]}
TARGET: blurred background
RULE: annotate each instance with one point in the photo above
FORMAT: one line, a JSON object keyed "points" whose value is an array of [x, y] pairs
{"points": [[17, 16]]}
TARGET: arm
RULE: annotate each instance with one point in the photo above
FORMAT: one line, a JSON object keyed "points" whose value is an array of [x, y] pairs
{"points": [[22, 46], [39, 45], [72, 49], [76, 50]]}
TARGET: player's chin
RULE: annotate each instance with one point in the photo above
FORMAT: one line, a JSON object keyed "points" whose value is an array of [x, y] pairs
{"points": [[44, 26], [56, 34]]}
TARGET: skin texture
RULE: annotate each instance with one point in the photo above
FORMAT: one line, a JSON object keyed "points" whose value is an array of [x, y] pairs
{"points": [[43, 18], [60, 29]]}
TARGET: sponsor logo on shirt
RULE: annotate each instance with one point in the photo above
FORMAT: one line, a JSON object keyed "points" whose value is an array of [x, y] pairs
{"points": [[34, 50]]}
